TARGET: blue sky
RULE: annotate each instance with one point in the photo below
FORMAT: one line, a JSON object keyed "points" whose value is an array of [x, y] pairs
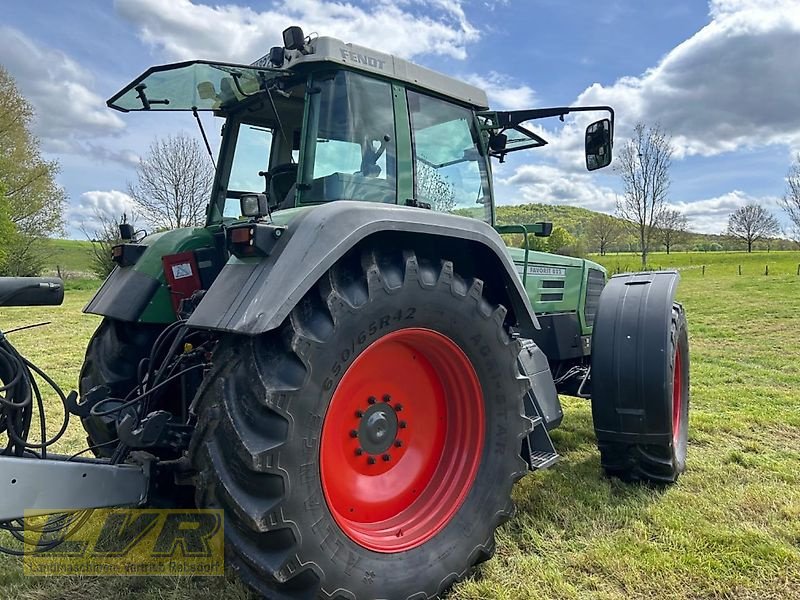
{"points": [[721, 77]]}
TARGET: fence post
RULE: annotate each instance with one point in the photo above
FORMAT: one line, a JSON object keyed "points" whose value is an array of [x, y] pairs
{"points": [[798, 269], [704, 270], [740, 269], [766, 269]]}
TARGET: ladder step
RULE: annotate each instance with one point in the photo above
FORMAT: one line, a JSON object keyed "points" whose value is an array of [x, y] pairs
{"points": [[543, 460]]}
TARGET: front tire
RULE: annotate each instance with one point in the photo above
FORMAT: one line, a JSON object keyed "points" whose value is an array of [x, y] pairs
{"points": [[299, 428]]}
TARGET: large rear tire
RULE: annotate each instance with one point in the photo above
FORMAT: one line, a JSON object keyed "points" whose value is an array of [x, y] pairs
{"points": [[368, 448]]}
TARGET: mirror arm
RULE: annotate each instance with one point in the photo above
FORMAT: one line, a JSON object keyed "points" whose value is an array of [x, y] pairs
{"points": [[513, 118]]}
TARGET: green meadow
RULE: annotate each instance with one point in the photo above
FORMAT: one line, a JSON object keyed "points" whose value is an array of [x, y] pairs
{"points": [[730, 528]]}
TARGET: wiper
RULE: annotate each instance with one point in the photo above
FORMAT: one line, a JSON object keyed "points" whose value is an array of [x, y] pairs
{"points": [[146, 102]]}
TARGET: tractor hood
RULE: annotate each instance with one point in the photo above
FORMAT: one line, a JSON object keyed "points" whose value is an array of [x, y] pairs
{"points": [[545, 259]]}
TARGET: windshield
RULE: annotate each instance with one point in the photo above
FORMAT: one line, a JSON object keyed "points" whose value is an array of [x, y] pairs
{"points": [[185, 86]]}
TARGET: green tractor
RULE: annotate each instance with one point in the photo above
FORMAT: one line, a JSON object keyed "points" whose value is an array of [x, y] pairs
{"points": [[347, 359]]}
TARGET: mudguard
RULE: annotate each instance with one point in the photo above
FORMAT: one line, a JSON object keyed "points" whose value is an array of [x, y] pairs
{"points": [[629, 364], [139, 292], [253, 296]]}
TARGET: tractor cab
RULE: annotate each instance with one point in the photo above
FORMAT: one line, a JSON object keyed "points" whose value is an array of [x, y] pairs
{"points": [[323, 121], [319, 120]]}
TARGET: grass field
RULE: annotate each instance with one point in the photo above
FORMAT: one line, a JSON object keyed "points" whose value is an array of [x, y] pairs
{"points": [[729, 529], [71, 256]]}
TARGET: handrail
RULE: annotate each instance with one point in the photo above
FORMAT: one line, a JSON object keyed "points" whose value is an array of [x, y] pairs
{"points": [[523, 229]]}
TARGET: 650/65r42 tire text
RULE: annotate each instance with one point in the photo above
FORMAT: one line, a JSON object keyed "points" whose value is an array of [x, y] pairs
{"points": [[368, 448]]}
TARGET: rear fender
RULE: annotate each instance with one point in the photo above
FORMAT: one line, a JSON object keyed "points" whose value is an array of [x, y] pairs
{"points": [[139, 292], [252, 296]]}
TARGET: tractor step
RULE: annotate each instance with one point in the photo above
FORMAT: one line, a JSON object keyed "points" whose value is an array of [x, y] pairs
{"points": [[542, 460], [537, 449]]}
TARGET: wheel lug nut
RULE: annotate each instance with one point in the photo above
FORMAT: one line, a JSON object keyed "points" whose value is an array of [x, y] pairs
{"points": [[398, 407], [371, 400], [359, 451], [370, 461], [386, 458], [398, 443], [402, 424], [359, 414], [386, 397], [353, 434]]}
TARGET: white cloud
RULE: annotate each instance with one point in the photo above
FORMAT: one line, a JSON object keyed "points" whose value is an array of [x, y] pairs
{"points": [[183, 30], [504, 92], [710, 215], [727, 88], [66, 109], [547, 184], [83, 214]]}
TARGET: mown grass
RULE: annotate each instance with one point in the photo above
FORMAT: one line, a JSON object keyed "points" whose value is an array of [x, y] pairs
{"points": [[729, 529]]}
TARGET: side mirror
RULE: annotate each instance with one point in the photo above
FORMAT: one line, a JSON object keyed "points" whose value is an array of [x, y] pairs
{"points": [[598, 144], [254, 205], [498, 141]]}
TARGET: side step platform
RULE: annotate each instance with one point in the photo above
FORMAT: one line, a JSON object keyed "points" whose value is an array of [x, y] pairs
{"points": [[541, 406], [537, 449]]}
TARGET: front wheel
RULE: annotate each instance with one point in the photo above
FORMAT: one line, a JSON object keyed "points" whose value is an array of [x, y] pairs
{"points": [[369, 447]]}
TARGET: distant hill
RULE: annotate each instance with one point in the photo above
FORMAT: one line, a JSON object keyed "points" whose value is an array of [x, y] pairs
{"points": [[572, 218], [70, 256], [575, 220]]}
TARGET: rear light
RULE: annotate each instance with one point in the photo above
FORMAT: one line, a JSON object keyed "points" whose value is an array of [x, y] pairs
{"points": [[126, 255], [253, 239]]}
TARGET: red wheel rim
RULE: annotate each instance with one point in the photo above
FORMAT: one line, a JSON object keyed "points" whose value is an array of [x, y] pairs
{"points": [[677, 398], [402, 440]]}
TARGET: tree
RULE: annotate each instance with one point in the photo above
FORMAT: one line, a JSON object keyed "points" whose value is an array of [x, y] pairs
{"points": [[752, 223], [33, 201], [7, 230], [603, 231], [173, 184], [559, 239], [644, 164], [791, 199], [103, 238], [672, 228]]}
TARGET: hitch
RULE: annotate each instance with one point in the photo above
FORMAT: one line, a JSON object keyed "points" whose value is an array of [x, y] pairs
{"points": [[155, 430]]}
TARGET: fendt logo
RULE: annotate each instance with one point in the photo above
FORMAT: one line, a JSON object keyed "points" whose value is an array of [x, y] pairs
{"points": [[362, 59], [124, 542]]}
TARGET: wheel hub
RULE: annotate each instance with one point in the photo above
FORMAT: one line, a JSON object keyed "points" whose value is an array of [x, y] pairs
{"points": [[377, 431]]}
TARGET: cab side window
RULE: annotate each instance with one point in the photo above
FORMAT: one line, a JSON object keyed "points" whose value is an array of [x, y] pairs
{"points": [[450, 173]]}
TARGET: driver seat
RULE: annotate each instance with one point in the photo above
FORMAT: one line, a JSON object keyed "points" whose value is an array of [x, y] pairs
{"points": [[281, 182]]}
